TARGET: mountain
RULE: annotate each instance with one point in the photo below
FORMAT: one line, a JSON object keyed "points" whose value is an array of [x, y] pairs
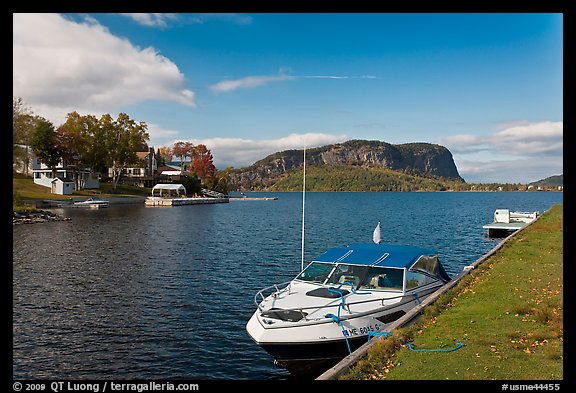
{"points": [[552, 181], [417, 159]]}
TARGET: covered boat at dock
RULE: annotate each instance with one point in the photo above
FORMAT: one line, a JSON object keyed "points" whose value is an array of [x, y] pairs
{"points": [[339, 299]]}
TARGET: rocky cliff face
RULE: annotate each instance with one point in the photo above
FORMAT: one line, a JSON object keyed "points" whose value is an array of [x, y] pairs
{"points": [[424, 159]]}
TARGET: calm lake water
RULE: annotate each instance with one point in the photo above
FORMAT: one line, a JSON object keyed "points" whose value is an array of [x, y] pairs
{"points": [[134, 292]]}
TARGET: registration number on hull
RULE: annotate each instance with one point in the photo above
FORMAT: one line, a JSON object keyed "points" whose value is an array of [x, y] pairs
{"points": [[363, 330]]}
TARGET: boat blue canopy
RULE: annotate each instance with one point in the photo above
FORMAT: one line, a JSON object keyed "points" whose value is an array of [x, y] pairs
{"points": [[384, 255]]}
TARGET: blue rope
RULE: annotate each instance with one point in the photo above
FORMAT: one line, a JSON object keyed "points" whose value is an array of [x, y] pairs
{"points": [[411, 346], [336, 318], [372, 334]]}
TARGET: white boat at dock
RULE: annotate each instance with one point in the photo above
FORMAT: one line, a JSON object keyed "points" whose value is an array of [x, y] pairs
{"points": [[339, 300], [506, 222], [94, 203]]}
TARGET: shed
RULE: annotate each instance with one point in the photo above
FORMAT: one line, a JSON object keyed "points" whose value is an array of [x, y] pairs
{"points": [[62, 187], [168, 190]]}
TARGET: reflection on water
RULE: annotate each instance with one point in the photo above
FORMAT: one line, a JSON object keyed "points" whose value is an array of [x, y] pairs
{"points": [[131, 292]]}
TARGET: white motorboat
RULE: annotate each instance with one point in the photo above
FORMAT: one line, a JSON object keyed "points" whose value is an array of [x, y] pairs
{"points": [[506, 222], [347, 293], [93, 202], [506, 216]]}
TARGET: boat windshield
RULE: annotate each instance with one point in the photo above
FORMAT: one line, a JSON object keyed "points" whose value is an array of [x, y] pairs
{"points": [[316, 272], [357, 276], [368, 277]]}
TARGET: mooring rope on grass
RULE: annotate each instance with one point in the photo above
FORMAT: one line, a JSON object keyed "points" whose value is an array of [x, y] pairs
{"points": [[336, 318], [411, 346]]}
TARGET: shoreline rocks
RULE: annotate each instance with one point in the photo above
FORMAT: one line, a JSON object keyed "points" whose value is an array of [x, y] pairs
{"points": [[36, 216]]}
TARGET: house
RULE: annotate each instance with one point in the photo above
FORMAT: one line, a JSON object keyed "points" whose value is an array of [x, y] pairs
{"points": [[170, 173], [42, 176], [142, 175]]}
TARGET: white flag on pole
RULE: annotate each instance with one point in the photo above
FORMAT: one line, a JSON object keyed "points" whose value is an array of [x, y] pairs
{"points": [[376, 236]]}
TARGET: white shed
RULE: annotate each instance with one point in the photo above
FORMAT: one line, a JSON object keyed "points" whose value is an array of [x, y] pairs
{"points": [[61, 187], [168, 190]]}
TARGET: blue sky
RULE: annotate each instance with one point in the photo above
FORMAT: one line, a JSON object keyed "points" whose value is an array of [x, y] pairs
{"points": [[489, 86]]}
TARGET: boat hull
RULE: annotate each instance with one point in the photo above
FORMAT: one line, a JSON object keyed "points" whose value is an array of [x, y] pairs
{"points": [[301, 351], [312, 359]]}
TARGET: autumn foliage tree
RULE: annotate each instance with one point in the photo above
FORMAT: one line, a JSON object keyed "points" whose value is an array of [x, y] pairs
{"points": [[182, 150], [202, 163]]}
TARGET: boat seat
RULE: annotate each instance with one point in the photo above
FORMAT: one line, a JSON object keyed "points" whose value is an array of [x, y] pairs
{"points": [[383, 281], [374, 281], [379, 281], [351, 279]]}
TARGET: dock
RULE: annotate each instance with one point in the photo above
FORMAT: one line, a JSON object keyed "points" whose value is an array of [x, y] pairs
{"points": [[161, 201], [253, 199], [503, 229], [506, 222]]}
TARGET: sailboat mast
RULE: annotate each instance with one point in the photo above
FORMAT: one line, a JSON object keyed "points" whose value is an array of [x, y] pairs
{"points": [[303, 206]]}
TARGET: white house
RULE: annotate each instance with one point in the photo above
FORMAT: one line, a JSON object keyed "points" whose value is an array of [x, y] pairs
{"points": [[43, 176]]}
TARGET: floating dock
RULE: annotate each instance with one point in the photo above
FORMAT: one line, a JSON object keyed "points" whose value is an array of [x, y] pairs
{"points": [[160, 201], [502, 229], [253, 199], [507, 222]]}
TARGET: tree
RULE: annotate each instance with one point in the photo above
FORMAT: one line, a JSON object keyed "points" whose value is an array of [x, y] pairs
{"points": [[23, 126], [202, 163], [44, 144], [164, 155], [192, 184], [122, 137], [182, 150], [75, 139], [219, 182], [95, 155]]}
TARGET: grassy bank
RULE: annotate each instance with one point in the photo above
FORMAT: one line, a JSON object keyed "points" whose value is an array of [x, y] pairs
{"points": [[508, 313], [25, 191]]}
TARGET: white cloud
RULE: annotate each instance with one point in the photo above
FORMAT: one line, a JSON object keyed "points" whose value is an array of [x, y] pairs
{"points": [[248, 82], [536, 138], [162, 20], [542, 138], [522, 152], [239, 153], [238, 19], [521, 171], [59, 64], [155, 19]]}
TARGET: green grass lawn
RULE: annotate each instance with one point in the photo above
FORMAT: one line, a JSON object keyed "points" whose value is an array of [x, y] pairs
{"points": [[24, 190], [508, 313]]}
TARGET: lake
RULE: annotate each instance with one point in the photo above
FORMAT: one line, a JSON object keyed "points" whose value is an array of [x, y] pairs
{"points": [[135, 292]]}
